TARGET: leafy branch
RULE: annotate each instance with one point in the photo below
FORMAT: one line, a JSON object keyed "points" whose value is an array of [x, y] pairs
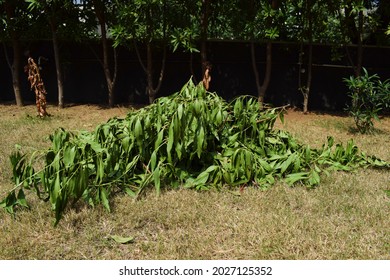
{"points": [[191, 139]]}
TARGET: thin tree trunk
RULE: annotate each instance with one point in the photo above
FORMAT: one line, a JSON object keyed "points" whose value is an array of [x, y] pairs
{"points": [[110, 77], [306, 91], [15, 67], [267, 77], [149, 73], [268, 66], [60, 83], [254, 66], [151, 89], [204, 22], [359, 63]]}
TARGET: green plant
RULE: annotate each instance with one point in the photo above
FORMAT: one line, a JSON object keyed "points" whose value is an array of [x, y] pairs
{"points": [[191, 139], [368, 97], [384, 92]]}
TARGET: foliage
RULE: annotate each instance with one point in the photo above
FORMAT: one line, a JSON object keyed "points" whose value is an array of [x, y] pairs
{"points": [[192, 139], [261, 21], [64, 18], [13, 19], [368, 97]]}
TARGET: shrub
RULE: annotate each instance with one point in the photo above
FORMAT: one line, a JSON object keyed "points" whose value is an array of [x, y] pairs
{"points": [[368, 97]]}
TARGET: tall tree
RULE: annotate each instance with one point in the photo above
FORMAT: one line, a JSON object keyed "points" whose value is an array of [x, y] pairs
{"points": [[308, 15], [263, 24], [13, 15], [61, 16], [103, 9], [151, 23], [204, 25], [356, 21]]}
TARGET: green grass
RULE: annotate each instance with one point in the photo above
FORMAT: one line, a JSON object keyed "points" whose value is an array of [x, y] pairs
{"points": [[346, 217]]}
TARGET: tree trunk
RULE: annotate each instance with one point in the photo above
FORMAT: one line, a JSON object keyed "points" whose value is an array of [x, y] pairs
{"points": [[268, 67], [149, 73], [60, 83], [204, 22], [15, 66], [349, 23], [152, 90], [306, 91], [255, 71], [359, 63], [15, 69], [267, 77], [110, 77]]}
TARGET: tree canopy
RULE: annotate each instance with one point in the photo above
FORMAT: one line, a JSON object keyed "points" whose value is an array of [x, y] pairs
{"points": [[161, 25]]}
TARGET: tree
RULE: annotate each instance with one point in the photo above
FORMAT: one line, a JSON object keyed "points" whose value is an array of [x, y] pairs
{"points": [[263, 23], [61, 16], [307, 22], [13, 20], [357, 22], [103, 10], [203, 20], [204, 25], [151, 23], [308, 10]]}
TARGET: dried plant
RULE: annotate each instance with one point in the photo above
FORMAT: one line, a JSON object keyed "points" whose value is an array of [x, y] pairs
{"points": [[35, 79]]}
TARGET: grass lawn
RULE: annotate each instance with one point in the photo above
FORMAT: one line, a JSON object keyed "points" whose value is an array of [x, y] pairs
{"points": [[346, 217]]}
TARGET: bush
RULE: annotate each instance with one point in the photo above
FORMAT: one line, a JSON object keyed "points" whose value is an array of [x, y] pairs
{"points": [[369, 96]]}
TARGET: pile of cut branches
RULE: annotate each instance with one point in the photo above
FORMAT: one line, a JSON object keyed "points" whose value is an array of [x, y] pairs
{"points": [[191, 139]]}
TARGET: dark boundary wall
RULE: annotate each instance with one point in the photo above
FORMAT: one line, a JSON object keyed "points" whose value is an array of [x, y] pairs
{"points": [[232, 73]]}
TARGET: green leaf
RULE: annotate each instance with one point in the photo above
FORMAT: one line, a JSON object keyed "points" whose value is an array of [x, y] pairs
{"points": [[104, 198], [295, 177], [178, 149], [218, 117], [130, 192], [171, 138], [21, 199], [99, 169], [9, 202], [157, 179], [55, 190], [237, 107], [200, 141], [180, 111], [202, 178], [314, 178], [69, 155], [153, 160], [286, 164], [121, 239], [267, 167], [159, 140], [138, 129]]}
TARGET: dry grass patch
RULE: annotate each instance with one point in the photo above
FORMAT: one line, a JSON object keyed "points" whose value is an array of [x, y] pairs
{"points": [[346, 217]]}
